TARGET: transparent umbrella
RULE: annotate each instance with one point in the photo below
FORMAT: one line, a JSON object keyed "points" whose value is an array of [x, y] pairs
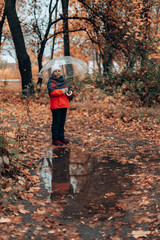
{"points": [[70, 66]]}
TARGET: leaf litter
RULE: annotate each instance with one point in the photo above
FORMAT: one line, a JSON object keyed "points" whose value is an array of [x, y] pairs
{"points": [[130, 209]]}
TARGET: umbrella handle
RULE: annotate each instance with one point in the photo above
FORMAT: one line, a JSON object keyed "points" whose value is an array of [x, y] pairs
{"points": [[69, 94]]}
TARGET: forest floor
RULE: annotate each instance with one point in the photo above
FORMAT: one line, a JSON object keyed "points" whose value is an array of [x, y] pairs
{"points": [[105, 184]]}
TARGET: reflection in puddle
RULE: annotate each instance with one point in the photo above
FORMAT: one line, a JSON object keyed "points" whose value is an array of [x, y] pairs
{"points": [[88, 185], [65, 171]]}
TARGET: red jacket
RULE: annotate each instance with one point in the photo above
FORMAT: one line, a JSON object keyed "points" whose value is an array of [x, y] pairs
{"points": [[58, 99]]}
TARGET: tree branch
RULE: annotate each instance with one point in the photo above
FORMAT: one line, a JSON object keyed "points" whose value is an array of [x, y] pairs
{"points": [[60, 32]]}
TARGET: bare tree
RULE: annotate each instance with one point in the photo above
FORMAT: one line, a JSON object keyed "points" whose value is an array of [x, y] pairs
{"points": [[44, 39], [54, 36], [17, 35]]}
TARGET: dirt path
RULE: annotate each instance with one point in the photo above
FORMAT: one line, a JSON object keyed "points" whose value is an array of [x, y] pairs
{"points": [[112, 168]]}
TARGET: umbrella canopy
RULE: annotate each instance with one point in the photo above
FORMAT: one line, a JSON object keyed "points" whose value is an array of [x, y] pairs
{"points": [[70, 67]]}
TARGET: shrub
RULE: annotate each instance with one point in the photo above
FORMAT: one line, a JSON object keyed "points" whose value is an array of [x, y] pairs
{"points": [[141, 86]]}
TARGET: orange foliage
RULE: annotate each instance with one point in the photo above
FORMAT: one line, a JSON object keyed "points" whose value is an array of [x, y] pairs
{"points": [[10, 73]]}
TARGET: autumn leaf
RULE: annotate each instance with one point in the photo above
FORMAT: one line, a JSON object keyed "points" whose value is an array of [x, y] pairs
{"points": [[7, 189], [40, 211], [5, 220], [145, 201], [140, 233], [17, 219], [21, 209], [52, 231], [27, 196], [110, 194], [34, 189]]}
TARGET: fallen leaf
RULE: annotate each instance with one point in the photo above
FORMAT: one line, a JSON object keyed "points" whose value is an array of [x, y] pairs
{"points": [[51, 231], [27, 196], [5, 237], [5, 220], [144, 201], [7, 189], [144, 219], [140, 233], [16, 219], [34, 189], [21, 209], [110, 194], [115, 238], [40, 211]]}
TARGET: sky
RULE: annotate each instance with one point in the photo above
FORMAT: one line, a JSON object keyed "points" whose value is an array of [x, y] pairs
{"points": [[8, 58], [12, 59]]}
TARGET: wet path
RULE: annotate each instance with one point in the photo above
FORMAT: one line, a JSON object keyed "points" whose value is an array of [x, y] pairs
{"points": [[88, 185], [89, 196], [104, 185], [101, 197]]}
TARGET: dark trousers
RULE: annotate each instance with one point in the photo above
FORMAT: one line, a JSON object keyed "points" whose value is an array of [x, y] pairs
{"points": [[58, 122]]}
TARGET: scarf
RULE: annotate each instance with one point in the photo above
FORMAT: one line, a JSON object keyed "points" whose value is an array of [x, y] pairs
{"points": [[57, 83]]}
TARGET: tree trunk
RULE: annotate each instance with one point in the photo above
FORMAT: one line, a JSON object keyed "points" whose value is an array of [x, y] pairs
{"points": [[65, 4], [44, 41], [1, 25], [107, 61], [145, 15], [53, 46], [40, 56], [54, 37], [69, 67], [17, 35], [98, 60]]}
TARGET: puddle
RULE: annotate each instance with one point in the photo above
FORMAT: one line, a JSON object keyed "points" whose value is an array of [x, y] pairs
{"points": [[65, 171], [86, 185]]}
